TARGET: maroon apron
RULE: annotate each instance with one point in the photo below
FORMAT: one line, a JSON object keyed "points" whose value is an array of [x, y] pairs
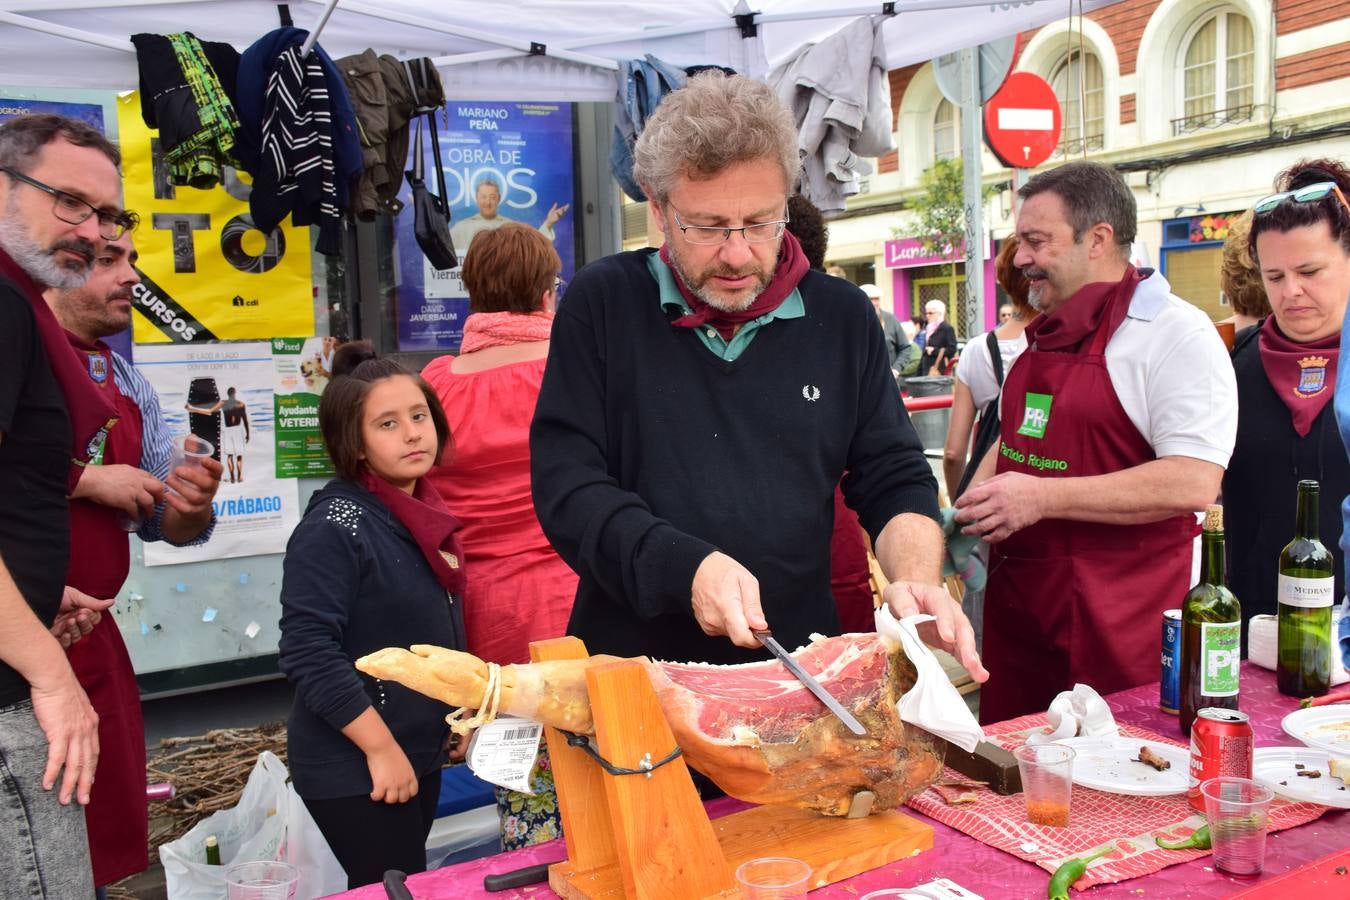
{"points": [[1071, 601], [100, 556]]}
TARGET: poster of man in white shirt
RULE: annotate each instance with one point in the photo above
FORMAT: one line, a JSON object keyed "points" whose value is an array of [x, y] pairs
{"points": [[488, 196]]}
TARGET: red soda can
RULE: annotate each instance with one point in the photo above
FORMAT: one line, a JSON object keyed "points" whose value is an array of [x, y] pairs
{"points": [[1221, 744]]}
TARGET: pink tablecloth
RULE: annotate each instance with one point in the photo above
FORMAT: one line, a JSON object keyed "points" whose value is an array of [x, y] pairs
{"points": [[978, 867]]}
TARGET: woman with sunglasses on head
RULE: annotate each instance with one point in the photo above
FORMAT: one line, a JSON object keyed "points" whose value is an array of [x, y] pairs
{"points": [[519, 590], [1286, 377]]}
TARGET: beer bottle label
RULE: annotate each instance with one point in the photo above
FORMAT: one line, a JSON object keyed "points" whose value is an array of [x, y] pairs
{"points": [[1309, 593], [1220, 644]]}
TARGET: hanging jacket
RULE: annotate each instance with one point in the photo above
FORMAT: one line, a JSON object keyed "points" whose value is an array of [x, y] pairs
{"points": [[384, 104], [841, 99], [642, 85]]}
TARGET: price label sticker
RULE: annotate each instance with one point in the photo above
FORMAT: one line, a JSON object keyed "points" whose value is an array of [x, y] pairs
{"points": [[504, 751]]}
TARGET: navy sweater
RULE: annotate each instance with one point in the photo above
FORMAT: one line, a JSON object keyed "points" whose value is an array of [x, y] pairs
{"points": [[648, 452], [354, 581]]}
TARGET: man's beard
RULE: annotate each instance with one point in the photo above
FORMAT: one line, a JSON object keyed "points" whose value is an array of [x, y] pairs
{"points": [[1034, 293], [42, 264], [698, 286]]}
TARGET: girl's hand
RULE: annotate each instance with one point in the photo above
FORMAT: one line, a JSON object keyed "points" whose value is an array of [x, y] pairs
{"points": [[391, 775]]}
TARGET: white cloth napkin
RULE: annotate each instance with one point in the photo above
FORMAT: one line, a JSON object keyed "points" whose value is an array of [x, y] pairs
{"points": [[1080, 712], [1263, 640], [933, 703]]}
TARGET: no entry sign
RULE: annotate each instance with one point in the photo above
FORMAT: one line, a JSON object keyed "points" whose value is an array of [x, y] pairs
{"points": [[1022, 122]]}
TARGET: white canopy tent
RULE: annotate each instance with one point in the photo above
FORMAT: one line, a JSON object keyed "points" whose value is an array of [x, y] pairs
{"points": [[484, 48]]}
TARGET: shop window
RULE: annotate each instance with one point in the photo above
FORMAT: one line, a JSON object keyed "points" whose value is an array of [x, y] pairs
{"points": [[1078, 84], [940, 283], [1192, 251], [1218, 73]]}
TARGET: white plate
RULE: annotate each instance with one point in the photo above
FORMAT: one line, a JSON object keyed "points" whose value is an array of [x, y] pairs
{"points": [[1107, 764], [1324, 727], [1277, 769]]}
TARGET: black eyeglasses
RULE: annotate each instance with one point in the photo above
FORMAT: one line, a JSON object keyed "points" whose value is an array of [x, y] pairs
{"points": [[74, 211], [1308, 194]]}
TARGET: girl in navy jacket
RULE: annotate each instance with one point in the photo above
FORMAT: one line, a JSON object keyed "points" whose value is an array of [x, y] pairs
{"points": [[374, 563]]}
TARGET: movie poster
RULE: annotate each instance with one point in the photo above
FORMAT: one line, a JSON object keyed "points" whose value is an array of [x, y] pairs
{"points": [[504, 162], [207, 273], [223, 393], [303, 367]]}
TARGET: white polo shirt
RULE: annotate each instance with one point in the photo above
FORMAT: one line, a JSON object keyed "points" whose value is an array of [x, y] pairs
{"points": [[1173, 376]]}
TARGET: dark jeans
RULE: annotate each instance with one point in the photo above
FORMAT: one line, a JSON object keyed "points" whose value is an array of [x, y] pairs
{"points": [[371, 838]]}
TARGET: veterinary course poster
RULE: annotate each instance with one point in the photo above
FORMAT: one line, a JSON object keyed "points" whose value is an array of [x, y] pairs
{"points": [[503, 162], [303, 368]]}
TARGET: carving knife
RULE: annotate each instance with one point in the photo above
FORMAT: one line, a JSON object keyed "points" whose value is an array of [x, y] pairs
{"points": [[833, 705]]}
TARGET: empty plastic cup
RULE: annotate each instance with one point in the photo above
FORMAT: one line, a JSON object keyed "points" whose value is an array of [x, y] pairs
{"points": [[261, 880], [1047, 782], [1238, 814], [190, 451], [773, 878]]}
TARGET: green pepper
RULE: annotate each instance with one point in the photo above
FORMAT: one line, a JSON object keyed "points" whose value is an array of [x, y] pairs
{"points": [[1197, 840], [1069, 872]]}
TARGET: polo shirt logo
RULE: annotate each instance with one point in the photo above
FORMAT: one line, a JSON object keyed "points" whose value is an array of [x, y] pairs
{"points": [[1036, 416], [811, 392]]}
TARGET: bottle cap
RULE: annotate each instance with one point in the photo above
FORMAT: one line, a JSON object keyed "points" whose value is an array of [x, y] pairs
{"points": [[211, 840], [1213, 517]]}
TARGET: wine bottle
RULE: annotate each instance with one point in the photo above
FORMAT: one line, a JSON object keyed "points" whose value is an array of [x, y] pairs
{"points": [[1211, 631], [212, 850], [1307, 590]]}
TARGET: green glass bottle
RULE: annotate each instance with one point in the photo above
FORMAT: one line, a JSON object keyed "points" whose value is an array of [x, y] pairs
{"points": [[1211, 631], [1307, 591], [212, 850]]}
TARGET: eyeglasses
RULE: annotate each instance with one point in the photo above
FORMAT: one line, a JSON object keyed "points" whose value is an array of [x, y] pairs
{"points": [[1307, 194], [74, 211], [759, 233], [558, 284]]}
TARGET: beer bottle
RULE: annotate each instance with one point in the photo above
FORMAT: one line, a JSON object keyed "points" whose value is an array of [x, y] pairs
{"points": [[212, 850], [1306, 593], [1211, 631]]}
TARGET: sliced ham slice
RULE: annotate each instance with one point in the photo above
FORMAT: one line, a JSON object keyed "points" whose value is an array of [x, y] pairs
{"points": [[753, 729]]}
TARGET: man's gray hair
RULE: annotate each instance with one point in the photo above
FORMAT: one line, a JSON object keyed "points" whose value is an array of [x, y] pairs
{"points": [[1092, 193], [715, 120], [22, 139]]}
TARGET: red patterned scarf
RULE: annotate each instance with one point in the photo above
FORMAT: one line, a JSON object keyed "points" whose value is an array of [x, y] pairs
{"points": [[91, 412], [432, 526], [499, 329], [1069, 328], [792, 265], [1303, 375]]}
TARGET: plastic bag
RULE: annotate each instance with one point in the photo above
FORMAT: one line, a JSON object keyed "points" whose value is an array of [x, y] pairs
{"points": [[270, 822]]}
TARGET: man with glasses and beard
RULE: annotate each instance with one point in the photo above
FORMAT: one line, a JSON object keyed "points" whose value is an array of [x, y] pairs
{"points": [[1117, 422], [59, 190], [701, 403], [135, 472]]}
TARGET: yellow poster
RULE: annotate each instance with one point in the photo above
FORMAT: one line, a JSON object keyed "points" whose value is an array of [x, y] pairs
{"points": [[207, 272]]}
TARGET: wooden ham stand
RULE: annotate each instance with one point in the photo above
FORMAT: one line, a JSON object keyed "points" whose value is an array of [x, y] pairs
{"points": [[648, 836]]}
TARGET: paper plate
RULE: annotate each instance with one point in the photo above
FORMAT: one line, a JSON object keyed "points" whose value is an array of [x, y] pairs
{"points": [[1324, 727], [1277, 768], [1108, 764]]}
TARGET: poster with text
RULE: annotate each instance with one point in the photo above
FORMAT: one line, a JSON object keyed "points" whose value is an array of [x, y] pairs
{"points": [[207, 273], [223, 393], [504, 162], [303, 367]]}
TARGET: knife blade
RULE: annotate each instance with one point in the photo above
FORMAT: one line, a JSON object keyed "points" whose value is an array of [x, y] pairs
{"points": [[815, 687]]}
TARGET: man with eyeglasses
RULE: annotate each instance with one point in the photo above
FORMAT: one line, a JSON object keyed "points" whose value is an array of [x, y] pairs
{"points": [[700, 405], [135, 467], [1117, 422], [59, 189]]}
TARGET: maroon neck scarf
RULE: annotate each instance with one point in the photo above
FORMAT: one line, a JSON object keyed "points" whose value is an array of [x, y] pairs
{"points": [[91, 411], [1303, 375], [791, 267], [1071, 326], [424, 514]]}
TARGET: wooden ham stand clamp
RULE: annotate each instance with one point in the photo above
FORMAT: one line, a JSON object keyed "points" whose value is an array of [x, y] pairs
{"points": [[647, 837]]}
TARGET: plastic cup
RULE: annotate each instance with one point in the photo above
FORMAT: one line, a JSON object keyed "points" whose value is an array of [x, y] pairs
{"points": [[261, 880], [773, 878], [1047, 782], [191, 451], [1238, 814]]}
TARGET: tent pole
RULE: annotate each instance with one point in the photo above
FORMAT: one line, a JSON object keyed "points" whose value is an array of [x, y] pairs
{"points": [[308, 45], [520, 46], [74, 34]]}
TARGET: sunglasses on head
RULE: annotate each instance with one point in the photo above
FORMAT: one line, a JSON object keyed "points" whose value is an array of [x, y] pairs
{"points": [[1308, 194]]}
